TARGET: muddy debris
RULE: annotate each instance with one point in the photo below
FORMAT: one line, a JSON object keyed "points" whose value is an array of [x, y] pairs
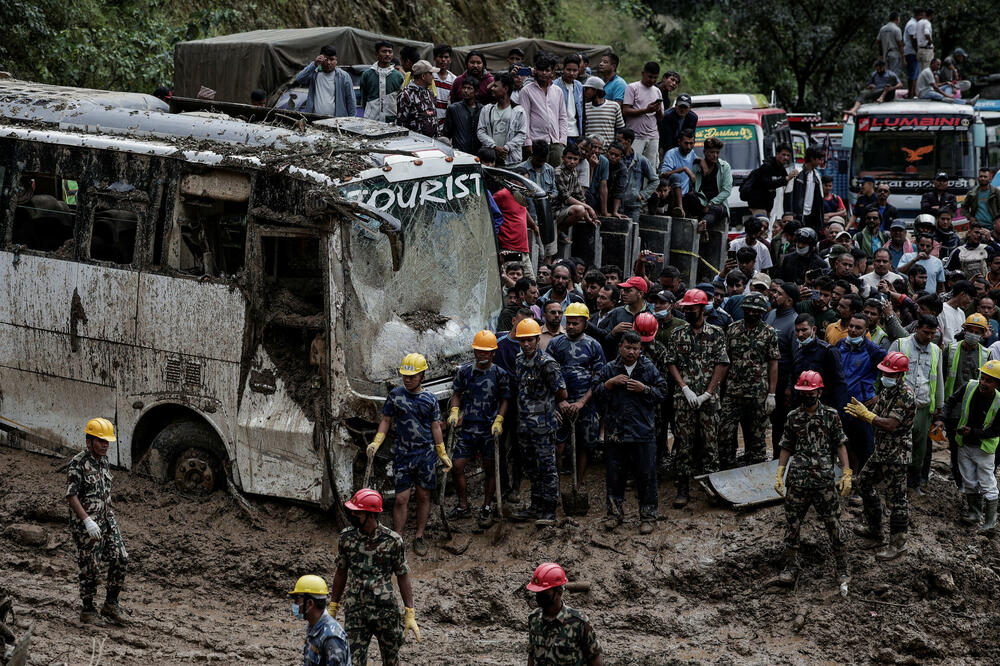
{"points": [[424, 320]]}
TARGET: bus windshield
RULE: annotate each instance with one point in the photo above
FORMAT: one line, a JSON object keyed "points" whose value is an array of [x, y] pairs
{"points": [[446, 288], [739, 144], [915, 155]]}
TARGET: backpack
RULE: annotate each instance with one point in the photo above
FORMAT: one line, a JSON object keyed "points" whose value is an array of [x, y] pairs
{"points": [[747, 186]]}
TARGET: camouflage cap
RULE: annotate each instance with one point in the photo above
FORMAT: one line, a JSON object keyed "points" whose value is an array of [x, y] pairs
{"points": [[756, 301]]}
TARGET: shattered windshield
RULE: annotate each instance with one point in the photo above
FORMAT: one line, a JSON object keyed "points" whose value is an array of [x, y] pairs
{"points": [[446, 289]]}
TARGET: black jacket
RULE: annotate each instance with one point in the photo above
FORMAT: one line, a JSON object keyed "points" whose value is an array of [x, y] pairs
{"points": [[794, 266], [798, 200], [932, 203], [670, 126], [763, 183], [824, 359]]}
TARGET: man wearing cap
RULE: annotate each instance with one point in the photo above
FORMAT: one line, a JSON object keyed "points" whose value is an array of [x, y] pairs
{"points": [[676, 119], [93, 525], [749, 394], [899, 244], [416, 108], [326, 641], [369, 554], [602, 117], [331, 92], [891, 416], [611, 328], [698, 364], [939, 197], [982, 203], [541, 390], [751, 239], [558, 634]]}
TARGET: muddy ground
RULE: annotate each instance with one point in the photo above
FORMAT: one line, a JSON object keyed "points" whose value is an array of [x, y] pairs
{"points": [[207, 582]]}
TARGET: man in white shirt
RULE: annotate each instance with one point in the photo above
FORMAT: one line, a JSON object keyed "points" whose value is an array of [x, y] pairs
{"points": [[952, 316], [443, 80], [925, 43], [910, 52], [882, 264], [643, 109], [752, 240]]}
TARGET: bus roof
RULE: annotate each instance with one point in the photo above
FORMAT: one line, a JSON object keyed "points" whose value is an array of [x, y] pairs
{"points": [[716, 116], [915, 107], [730, 101]]}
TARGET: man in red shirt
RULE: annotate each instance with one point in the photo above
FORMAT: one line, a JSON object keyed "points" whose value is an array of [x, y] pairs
{"points": [[512, 234]]}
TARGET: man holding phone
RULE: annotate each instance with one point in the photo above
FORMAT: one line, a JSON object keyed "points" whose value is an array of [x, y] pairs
{"points": [[643, 109]]}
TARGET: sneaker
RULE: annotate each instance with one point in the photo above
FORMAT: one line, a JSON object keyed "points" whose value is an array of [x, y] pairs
{"points": [[420, 546], [646, 527], [458, 513], [545, 520], [485, 517]]}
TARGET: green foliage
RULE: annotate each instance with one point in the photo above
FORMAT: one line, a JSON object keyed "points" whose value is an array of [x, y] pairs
{"points": [[710, 57]]}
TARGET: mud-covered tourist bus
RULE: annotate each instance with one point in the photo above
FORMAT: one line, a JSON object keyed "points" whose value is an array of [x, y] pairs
{"points": [[906, 143], [235, 297]]}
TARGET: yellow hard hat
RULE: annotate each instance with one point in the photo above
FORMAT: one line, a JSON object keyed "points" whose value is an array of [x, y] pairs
{"points": [[976, 319], [484, 341], [577, 310], [991, 368], [310, 584], [527, 328], [101, 429], [413, 364]]}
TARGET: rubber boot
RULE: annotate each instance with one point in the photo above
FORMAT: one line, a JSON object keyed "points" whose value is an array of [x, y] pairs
{"points": [[88, 615], [790, 573], [524, 515], [975, 513], [990, 521], [683, 494], [869, 531], [896, 547]]}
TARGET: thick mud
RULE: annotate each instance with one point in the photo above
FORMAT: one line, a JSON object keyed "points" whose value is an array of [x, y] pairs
{"points": [[207, 582]]}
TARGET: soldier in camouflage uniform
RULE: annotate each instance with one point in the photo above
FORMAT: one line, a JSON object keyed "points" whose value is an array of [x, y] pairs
{"points": [[814, 435], [892, 419], [656, 351], [92, 522], [558, 634], [368, 555], [749, 391], [540, 391], [480, 392], [698, 361], [580, 357]]}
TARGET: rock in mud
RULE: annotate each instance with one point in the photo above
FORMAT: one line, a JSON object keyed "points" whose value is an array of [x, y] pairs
{"points": [[944, 582], [28, 535]]}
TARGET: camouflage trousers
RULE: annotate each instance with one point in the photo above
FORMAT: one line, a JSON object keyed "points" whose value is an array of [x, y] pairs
{"points": [[827, 505], [695, 431], [385, 623], [873, 476], [749, 413], [91, 554], [538, 457]]}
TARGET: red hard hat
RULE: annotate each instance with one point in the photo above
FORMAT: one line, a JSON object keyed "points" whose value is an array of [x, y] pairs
{"points": [[365, 499], [646, 326], [809, 380], [694, 297], [547, 576], [894, 362]]}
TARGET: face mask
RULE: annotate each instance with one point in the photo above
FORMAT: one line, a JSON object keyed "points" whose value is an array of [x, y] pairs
{"points": [[543, 599], [692, 316], [803, 343], [973, 338], [297, 612], [709, 308], [888, 382], [809, 400], [855, 340], [801, 251], [751, 318]]}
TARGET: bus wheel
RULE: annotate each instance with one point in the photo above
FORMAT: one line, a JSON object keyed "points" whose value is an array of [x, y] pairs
{"points": [[186, 453]]}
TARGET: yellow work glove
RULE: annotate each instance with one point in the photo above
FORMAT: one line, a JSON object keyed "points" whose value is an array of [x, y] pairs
{"points": [[377, 442], [410, 623], [453, 417], [497, 428], [333, 609], [859, 411], [844, 485], [779, 481], [443, 457]]}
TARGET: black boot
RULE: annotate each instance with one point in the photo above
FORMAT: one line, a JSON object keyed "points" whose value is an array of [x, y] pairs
{"points": [[683, 493], [88, 615], [111, 609]]}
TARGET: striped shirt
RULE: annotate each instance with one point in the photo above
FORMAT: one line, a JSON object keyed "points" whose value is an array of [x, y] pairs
{"points": [[603, 120], [443, 86]]}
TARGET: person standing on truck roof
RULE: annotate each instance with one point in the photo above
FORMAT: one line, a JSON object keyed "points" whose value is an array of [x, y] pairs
{"points": [[326, 641], [379, 84], [761, 185], [92, 523], [480, 392], [812, 433], [415, 418], [541, 390], [331, 91], [925, 40], [558, 634], [890, 43], [368, 555], [910, 52]]}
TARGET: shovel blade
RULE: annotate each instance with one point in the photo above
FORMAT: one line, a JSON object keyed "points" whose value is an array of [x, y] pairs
{"points": [[576, 504]]}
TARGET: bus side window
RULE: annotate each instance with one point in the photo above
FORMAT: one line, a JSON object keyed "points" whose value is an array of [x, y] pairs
{"points": [[45, 213], [208, 233], [113, 235]]}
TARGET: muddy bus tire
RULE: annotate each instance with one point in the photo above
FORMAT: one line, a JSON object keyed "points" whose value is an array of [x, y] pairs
{"points": [[188, 454]]}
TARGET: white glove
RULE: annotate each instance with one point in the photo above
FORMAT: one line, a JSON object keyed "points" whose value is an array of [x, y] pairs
{"points": [[703, 398], [769, 403], [691, 397], [92, 529]]}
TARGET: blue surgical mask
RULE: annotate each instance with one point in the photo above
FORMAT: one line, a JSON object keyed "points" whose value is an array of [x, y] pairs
{"points": [[888, 382], [297, 612], [855, 340], [803, 343]]}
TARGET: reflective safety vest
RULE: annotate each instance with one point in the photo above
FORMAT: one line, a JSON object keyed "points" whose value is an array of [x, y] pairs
{"points": [[879, 335], [906, 346], [987, 445], [955, 351]]}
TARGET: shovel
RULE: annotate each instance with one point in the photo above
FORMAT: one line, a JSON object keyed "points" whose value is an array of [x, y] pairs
{"points": [[502, 527], [575, 504], [368, 471], [449, 447]]}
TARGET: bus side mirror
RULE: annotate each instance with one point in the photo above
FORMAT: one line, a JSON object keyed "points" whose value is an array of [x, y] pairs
{"points": [[979, 135], [847, 138]]}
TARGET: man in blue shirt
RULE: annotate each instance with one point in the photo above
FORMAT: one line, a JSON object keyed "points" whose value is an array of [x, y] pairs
{"points": [[326, 641], [614, 85], [678, 166], [922, 257], [860, 358]]}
